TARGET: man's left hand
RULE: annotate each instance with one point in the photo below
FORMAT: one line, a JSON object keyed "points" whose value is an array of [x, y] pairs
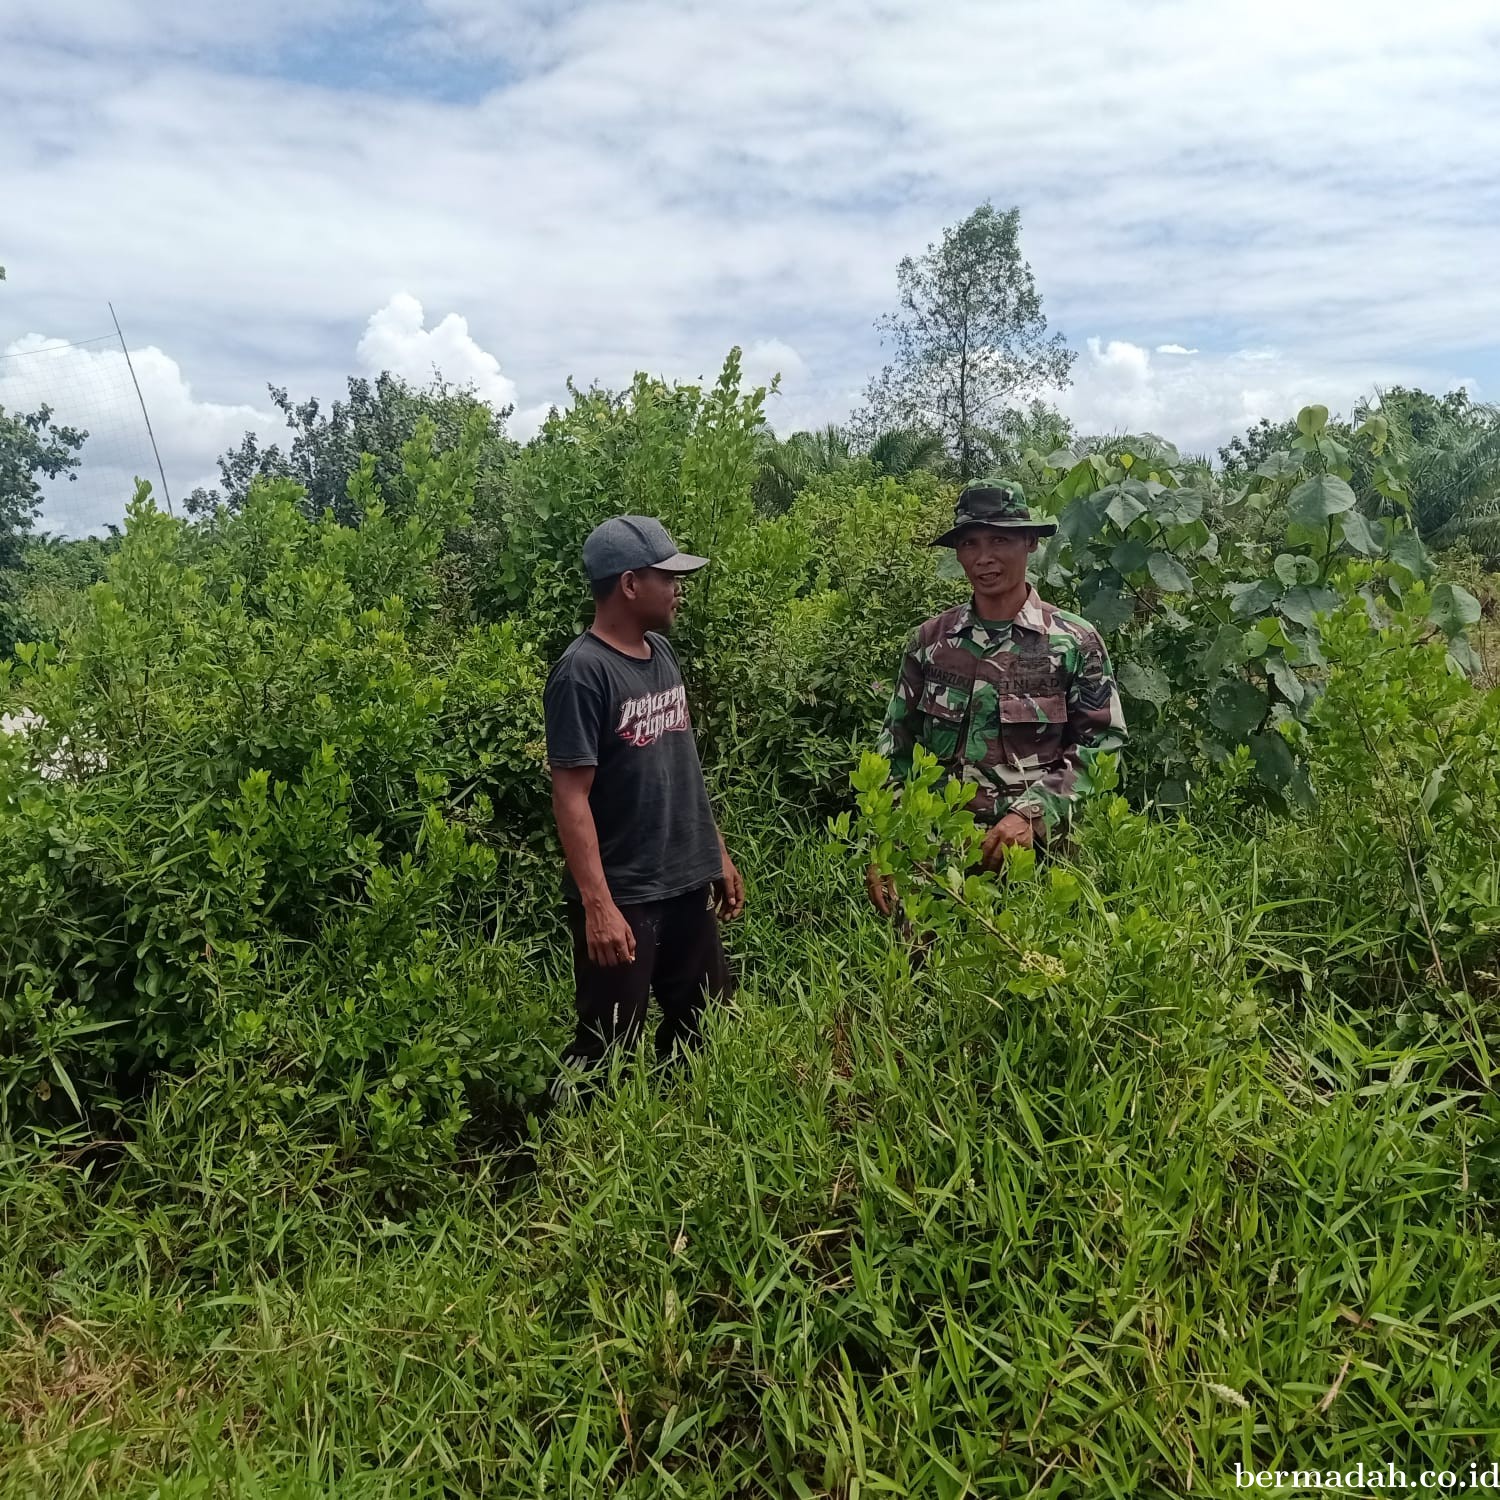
{"points": [[1011, 832], [729, 891]]}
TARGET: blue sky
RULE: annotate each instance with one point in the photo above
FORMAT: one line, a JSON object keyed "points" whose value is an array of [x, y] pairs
{"points": [[1304, 197]]}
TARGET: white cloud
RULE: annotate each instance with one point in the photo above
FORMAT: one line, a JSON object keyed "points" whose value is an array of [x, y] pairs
{"points": [[396, 339], [145, 23], [1173, 349], [606, 185], [90, 387], [1198, 404], [766, 358]]}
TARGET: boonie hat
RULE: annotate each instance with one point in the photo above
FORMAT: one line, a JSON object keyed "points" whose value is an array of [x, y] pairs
{"points": [[1001, 506], [626, 544]]}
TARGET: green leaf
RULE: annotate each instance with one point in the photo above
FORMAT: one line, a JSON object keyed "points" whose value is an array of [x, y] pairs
{"points": [[1377, 429], [1316, 499], [1273, 759], [1081, 518], [1335, 456], [1292, 568], [1228, 650], [1149, 684], [1270, 630], [1250, 599], [1302, 605], [1079, 480], [1311, 420], [61, 1074], [1129, 556], [1406, 551], [1282, 465], [1390, 481], [1123, 509], [1307, 649], [1186, 506], [1109, 608], [1288, 683], [1359, 534], [1299, 535], [1453, 609], [1061, 458], [1237, 707], [1461, 653], [1168, 574]]}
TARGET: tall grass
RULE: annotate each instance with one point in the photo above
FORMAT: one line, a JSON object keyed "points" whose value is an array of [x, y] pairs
{"points": [[892, 1234]]}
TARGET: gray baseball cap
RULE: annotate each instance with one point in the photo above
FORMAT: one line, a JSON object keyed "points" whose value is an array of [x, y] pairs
{"points": [[626, 544]]}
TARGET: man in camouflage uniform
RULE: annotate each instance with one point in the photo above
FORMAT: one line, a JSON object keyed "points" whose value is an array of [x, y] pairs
{"points": [[1011, 694]]}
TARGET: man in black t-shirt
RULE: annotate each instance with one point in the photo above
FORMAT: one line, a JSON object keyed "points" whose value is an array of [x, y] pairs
{"points": [[648, 876]]}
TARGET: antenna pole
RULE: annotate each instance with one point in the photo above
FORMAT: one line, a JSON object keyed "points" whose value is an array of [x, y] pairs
{"points": [[147, 415]]}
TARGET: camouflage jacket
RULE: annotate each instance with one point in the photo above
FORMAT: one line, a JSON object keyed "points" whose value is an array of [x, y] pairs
{"points": [[1018, 709]]}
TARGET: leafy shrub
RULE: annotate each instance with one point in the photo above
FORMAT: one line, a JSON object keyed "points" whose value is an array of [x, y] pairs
{"points": [[284, 777], [1210, 604]]}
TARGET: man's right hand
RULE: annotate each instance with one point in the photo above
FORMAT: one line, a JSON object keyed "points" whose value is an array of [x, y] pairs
{"points": [[608, 935], [881, 890]]}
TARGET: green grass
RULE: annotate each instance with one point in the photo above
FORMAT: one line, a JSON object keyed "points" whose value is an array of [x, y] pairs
{"points": [[891, 1235]]}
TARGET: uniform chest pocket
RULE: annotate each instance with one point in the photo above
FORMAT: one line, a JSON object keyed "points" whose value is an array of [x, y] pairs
{"points": [[1027, 714], [1026, 708], [1029, 689], [943, 710], [1032, 731]]}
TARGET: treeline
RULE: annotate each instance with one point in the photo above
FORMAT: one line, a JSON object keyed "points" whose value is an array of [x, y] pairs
{"points": [[970, 350]]}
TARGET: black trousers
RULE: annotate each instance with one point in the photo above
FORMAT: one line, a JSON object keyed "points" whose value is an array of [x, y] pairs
{"points": [[678, 954]]}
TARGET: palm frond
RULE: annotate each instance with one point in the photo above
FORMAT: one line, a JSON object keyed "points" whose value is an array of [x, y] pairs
{"points": [[903, 450]]}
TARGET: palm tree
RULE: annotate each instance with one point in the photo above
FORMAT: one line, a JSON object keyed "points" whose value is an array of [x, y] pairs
{"points": [[1449, 448], [785, 467], [826, 451], [900, 451]]}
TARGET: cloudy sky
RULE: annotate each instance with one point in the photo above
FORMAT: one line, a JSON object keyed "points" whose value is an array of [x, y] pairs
{"points": [[1231, 208]]}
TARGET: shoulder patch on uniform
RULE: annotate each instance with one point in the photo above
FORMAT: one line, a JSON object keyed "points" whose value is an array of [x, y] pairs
{"points": [[1077, 624]]}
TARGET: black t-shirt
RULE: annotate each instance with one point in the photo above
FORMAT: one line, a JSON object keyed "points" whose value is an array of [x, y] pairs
{"points": [[629, 718]]}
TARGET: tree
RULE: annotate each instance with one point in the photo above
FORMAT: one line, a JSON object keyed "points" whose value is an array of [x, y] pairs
{"points": [[1242, 455], [32, 447], [969, 341], [1038, 428], [50, 583], [1448, 449], [901, 451], [783, 467], [379, 417]]}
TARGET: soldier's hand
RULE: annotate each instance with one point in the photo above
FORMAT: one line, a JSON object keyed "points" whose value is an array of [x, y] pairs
{"points": [[881, 890], [1011, 832]]}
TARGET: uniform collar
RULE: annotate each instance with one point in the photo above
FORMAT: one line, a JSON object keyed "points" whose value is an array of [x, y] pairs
{"points": [[1028, 617]]}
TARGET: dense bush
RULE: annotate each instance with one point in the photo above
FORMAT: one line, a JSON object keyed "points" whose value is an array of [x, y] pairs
{"points": [[262, 791], [1210, 600]]}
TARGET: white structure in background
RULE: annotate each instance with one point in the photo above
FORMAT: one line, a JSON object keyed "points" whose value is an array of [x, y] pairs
{"points": [[64, 759], [21, 723]]}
